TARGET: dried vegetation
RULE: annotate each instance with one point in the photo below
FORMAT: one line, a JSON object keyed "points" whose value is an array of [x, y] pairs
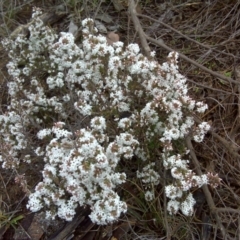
{"points": [[207, 34]]}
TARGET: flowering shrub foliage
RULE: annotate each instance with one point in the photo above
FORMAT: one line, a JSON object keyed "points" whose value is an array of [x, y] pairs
{"points": [[137, 108]]}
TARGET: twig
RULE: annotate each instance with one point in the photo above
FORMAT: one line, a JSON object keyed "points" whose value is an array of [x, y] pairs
{"points": [[165, 207], [218, 75], [183, 35], [138, 28], [147, 50], [211, 88], [237, 77], [206, 191], [70, 227], [232, 149], [228, 209], [49, 18], [97, 10], [238, 228]]}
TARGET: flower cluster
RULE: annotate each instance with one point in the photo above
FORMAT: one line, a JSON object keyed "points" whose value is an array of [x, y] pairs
{"points": [[149, 178], [81, 167], [134, 107], [184, 180]]}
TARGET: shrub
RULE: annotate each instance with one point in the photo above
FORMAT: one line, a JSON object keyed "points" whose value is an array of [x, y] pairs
{"points": [[135, 107]]}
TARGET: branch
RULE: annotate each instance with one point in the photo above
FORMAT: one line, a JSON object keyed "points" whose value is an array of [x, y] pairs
{"points": [[218, 75], [147, 50], [231, 147], [47, 18], [206, 191], [183, 35], [211, 88], [227, 209], [138, 28]]}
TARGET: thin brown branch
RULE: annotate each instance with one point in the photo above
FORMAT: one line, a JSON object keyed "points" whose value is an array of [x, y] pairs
{"points": [[47, 18], [147, 50], [211, 48], [165, 208], [229, 146], [218, 75], [237, 76], [206, 191], [211, 88], [138, 28], [228, 209]]}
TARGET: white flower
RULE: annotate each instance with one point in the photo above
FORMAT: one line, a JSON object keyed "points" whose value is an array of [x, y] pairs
{"points": [[173, 192], [176, 173], [85, 109], [204, 127], [87, 21], [187, 205], [43, 133], [201, 107], [34, 203], [170, 134], [114, 62], [133, 48], [153, 54], [124, 123], [98, 123], [107, 210], [149, 195], [148, 175], [173, 206]]}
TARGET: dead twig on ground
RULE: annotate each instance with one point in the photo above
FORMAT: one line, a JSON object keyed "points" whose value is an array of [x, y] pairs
{"points": [[165, 208], [138, 28], [228, 209], [211, 88], [146, 48], [211, 48], [237, 76], [47, 18], [230, 146], [206, 191], [66, 231], [218, 75]]}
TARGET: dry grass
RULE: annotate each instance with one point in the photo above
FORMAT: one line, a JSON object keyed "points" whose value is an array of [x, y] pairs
{"points": [[209, 35]]}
